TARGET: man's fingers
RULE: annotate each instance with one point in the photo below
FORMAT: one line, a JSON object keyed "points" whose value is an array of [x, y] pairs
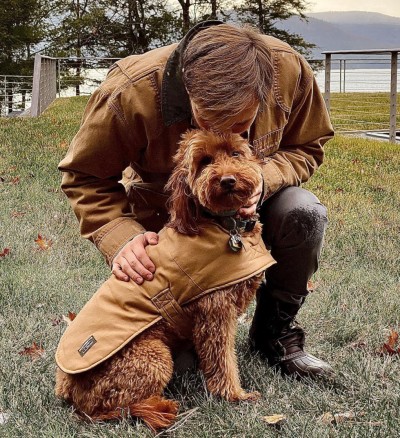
{"points": [[132, 267], [132, 262], [151, 238], [142, 263], [117, 271]]}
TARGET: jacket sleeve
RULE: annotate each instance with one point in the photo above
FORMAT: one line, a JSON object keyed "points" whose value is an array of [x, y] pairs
{"points": [[92, 168], [300, 151]]}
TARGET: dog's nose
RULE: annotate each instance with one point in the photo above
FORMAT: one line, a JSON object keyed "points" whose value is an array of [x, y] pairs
{"points": [[227, 181]]}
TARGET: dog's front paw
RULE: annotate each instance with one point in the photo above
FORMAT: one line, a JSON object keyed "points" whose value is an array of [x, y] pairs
{"points": [[246, 396]]}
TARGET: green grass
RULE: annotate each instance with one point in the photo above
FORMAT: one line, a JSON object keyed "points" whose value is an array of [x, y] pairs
{"points": [[362, 111], [355, 303]]}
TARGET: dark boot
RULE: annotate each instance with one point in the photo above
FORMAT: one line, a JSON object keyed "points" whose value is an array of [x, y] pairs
{"points": [[294, 223], [276, 336]]}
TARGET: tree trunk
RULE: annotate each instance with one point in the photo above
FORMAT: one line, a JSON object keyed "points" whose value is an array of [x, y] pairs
{"points": [[185, 4], [260, 13], [213, 9]]}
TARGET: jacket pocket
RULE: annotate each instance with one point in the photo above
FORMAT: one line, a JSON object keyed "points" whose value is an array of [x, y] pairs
{"points": [[267, 144]]}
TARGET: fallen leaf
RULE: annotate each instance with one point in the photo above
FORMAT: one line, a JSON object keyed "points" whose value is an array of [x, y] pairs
{"points": [[339, 190], [389, 347], [274, 420], [393, 338], [34, 351], [345, 416], [18, 214], [63, 145], [311, 286], [342, 417], [43, 242], [5, 252], [15, 180], [4, 417], [69, 318]]}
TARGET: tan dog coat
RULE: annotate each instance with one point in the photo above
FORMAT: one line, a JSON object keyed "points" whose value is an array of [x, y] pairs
{"points": [[187, 267]]}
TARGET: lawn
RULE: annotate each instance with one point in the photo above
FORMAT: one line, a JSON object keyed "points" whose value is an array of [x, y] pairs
{"points": [[348, 316]]}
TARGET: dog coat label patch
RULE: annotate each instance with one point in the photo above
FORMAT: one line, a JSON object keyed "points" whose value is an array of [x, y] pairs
{"points": [[87, 345]]}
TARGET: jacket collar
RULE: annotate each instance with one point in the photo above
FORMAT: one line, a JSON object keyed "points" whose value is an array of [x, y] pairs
{"points": [[175, 105]]}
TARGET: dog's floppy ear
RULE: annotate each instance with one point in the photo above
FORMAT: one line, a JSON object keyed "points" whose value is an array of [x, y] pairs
{"points": [[182, 206]]}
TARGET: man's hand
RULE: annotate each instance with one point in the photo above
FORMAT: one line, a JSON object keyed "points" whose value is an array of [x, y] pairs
{"points": [[132, 262], [250, 209]]}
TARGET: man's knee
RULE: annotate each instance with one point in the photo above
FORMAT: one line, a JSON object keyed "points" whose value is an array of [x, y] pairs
{"points": [[294, 214]]}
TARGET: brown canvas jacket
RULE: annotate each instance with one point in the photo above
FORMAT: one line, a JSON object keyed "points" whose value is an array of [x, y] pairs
{"points": [[188, 267], [136, 119]]}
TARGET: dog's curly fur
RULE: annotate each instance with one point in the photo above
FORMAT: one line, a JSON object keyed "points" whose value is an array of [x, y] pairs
{"points": [[133, 380]]}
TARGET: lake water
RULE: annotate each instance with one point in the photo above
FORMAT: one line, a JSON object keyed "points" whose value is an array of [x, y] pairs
{"points": [[358, 80], [352, 80]]}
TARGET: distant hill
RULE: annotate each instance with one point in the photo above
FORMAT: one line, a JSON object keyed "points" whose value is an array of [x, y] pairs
{"points": [[346, 30]]}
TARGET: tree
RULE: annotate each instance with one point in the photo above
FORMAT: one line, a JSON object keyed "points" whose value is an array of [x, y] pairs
{"points": [[21, 28], [265, 14], [136, 26], [76, 30]]}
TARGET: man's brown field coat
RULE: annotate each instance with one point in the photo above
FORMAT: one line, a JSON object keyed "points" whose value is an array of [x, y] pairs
{"points": [[136, 119], [188, 267]]}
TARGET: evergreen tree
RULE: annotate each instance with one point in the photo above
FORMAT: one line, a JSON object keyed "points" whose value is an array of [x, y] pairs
{"points": [[265, 14], [136, 26], [21, 29]]}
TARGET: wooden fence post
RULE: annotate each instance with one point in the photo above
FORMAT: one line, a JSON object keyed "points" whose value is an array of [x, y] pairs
{"points": [[393, 98], [35, 105], [327, 95]]}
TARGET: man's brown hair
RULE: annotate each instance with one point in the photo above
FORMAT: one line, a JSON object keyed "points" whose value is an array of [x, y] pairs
{"points": [[227, 69]]}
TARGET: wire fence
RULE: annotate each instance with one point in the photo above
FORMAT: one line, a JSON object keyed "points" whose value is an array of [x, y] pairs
{"points": [[15, 94], [360, 90]]}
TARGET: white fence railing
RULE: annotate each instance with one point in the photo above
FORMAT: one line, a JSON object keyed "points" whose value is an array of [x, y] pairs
{"points": [[15, 94], [361, 89]]}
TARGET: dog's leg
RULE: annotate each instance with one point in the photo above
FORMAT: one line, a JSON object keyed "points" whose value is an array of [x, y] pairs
{"points": [[214, 340]]}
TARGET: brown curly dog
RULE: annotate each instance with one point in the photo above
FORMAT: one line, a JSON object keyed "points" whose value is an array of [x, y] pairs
{"points": [[214, 174]]}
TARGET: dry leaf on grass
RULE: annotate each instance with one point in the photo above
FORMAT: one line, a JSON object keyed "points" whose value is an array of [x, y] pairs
{"points": [[274, 420], [35, 351], [389, 347], [329, 418], [18, 213], [311, 285], [5, 252], [69, 318], [15, 180], [43, 243], [346, 417]]}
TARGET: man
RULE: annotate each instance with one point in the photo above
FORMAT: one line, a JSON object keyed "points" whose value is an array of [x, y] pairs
{"points": [[225, 79]]}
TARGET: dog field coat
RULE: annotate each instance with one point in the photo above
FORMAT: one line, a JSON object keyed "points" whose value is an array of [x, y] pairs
{"points": [[187, 267]]}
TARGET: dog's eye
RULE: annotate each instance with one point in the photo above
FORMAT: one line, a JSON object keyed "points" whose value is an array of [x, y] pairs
{"points": [[236, 154], [205, 161]]}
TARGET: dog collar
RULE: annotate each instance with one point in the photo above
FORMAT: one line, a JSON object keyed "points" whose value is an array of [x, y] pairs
{"points": [[235, 226]]}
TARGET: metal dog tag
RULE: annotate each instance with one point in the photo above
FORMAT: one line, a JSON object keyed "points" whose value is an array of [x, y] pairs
{"points": [[235, 241]]}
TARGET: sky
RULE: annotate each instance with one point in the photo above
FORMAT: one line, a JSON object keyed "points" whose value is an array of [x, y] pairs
{"points": [[387, 7]]}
